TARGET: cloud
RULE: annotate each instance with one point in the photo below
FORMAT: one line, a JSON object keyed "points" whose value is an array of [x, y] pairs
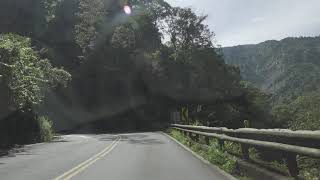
{"points": [[248, 22], [257, 19]]}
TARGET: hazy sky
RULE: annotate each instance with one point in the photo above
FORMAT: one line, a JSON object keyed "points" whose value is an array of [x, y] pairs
{"points": [[252, 21]]}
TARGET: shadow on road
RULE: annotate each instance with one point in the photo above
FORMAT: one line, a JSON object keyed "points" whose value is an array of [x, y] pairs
{"points": [[140, 139], [16, 151]]}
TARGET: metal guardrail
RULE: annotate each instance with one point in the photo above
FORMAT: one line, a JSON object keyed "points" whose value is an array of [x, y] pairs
{"points": [[273, 139], [285, 133]]}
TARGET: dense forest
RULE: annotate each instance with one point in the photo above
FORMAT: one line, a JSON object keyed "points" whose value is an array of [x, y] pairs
{"points": [[288, 70], [90, 64]]}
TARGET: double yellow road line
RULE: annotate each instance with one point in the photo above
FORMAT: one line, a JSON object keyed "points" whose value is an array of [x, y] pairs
{"points": [[76, 170]]}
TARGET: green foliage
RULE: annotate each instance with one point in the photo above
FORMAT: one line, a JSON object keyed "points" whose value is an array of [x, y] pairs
{"points": [[219, 157], [213, 154], [187, 30], [224, 114], [46, 131], [156, 9], [309, 168], [123, 37], [50, 7], [258, 104], [90, 16], [191, 59], [306, 112], [180, 137], [24, 73], [232, 147], [300, 114]]}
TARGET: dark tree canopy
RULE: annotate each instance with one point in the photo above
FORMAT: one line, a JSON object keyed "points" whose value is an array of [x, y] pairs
{"points": [[156, 59]]}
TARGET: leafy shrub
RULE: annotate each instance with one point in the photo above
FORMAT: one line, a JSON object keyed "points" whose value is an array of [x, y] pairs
{"points": [[46, 132], [220, 158], [178, 136], [309, 168], [232, 147]]}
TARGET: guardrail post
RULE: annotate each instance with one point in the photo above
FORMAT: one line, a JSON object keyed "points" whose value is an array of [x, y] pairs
{"points": [[245, 151], [185, 133], [196, 138], [221, 143], [207, 140], [292, 164], [189, 135]]}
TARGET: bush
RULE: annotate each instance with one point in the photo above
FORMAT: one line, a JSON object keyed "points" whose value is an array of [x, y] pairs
{"points": [[46, 132], [220, 158], [309, 168]]}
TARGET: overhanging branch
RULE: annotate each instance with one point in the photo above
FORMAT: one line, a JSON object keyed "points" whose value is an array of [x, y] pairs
{"points": [[6, 65]]}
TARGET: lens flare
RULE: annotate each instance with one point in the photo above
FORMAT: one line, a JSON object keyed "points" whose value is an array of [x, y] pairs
{"points": [[127, 9]]}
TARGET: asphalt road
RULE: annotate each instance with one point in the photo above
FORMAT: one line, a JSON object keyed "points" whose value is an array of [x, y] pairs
{"points": [[136, 156]]}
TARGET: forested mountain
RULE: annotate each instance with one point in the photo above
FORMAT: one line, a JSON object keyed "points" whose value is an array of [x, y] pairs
{"points": [[289, 70], [286, 68]]}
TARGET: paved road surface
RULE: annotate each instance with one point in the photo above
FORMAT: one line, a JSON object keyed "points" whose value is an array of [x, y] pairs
{"points": [[137, 156]]}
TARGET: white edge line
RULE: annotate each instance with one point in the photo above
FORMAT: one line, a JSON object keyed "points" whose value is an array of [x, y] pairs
{"points": [[216, 168]]}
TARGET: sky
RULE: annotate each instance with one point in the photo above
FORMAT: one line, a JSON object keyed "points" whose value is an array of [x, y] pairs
{"points": [[237, 22]]}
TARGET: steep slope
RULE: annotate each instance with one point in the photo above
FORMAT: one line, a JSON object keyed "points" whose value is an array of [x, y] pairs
{"points": [[288, 68]]}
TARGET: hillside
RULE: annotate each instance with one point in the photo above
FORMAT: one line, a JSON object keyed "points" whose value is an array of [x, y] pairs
{"points": [[89, 63], [287, 68]]}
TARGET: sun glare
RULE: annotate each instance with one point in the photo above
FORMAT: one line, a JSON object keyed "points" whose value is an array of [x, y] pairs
{"points": [[127, 9]]}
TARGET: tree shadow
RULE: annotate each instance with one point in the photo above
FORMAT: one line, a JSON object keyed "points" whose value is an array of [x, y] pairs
{"points": [[58, 141], [17, 151], [3, 154], [134, 138]]}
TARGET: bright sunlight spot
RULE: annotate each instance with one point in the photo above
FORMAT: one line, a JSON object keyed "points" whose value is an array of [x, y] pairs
{"points": [[127, 9]]}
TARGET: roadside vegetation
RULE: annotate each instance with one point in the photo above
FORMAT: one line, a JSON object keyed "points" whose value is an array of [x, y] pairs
{"points": [[214, 154], [26, 77], [46, 131], [226, 157]]}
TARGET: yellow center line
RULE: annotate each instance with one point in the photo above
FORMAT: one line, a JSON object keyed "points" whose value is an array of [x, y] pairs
{"points": [[79, 168]]}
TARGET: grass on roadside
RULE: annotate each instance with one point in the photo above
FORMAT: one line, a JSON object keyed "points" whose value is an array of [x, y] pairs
{"points": [[213, 154], [309, 168]]}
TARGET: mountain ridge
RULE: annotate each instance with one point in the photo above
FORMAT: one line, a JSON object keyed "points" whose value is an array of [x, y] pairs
{"points": [[287, 68]]}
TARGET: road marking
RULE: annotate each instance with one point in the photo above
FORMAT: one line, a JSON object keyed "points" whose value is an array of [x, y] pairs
{"points": [[82, 166]]}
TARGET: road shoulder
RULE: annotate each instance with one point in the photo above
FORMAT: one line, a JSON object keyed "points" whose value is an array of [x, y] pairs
{"points": [[214, 167]]}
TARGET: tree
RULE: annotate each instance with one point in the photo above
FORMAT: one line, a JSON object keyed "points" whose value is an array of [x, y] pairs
{"points": [[300, 114], [258, 106], [123, 37], [187, 30], [90, 15], [26, 75]]}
